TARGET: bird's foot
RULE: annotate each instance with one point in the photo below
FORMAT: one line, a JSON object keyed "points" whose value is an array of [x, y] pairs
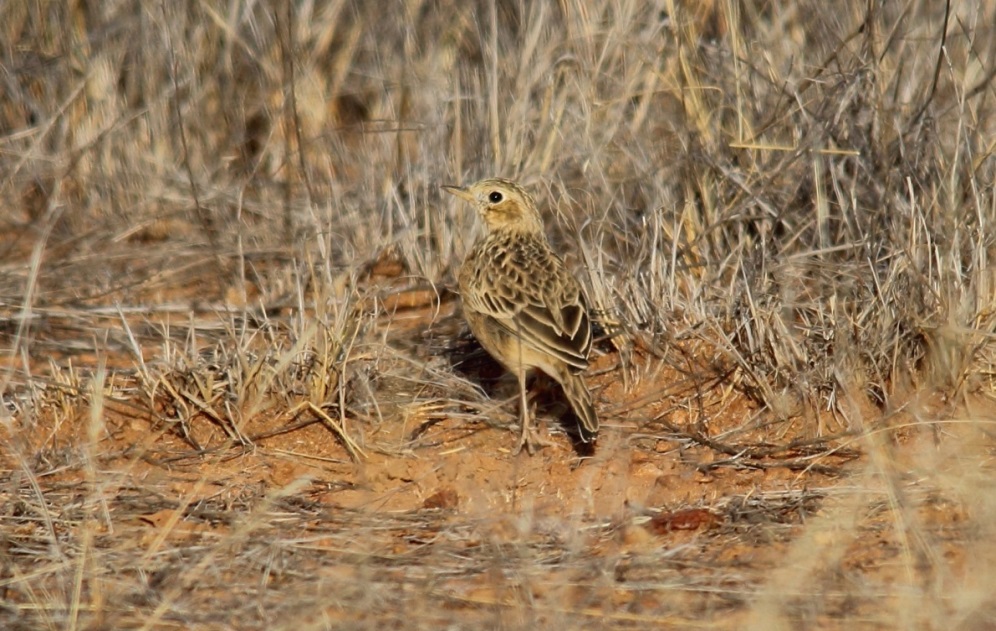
{"points": [[530, 437]]}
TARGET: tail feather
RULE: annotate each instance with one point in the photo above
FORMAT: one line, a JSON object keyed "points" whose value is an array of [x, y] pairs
{"points": [[579, 397]]}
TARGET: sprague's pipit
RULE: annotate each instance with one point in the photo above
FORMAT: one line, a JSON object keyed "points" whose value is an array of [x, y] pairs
{"points": [[522, 304]]}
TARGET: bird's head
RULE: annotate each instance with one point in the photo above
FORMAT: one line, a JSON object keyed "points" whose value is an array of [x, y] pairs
{"points": [[503, 204]]}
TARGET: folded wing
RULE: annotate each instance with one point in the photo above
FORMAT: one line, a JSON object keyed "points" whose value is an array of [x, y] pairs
{"points": [[547, 311]]}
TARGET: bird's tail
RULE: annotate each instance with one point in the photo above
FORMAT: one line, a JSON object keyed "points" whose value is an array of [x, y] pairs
{"points": [[579, 397]]}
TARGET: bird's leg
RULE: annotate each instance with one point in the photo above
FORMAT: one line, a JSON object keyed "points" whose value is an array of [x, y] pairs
{"points": [[523, 416], [528, 438]]}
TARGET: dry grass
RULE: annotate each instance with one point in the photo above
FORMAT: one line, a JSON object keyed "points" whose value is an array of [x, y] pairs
{"points": [[237, 392]]}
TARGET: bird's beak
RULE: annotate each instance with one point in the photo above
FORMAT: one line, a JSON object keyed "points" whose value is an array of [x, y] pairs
{"points": [[459, 191]]}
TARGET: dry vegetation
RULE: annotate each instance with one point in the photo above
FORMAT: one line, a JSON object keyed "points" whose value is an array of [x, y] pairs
{"points": [[237, 391]]}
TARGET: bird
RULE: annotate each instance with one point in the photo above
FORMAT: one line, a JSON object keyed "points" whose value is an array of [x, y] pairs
{"points": [[522, 303]]}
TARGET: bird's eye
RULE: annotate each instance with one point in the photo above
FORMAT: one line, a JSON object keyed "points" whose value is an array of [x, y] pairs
{"points": [[494, 197]]}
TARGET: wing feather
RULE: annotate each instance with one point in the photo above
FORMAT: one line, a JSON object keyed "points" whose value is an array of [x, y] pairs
{"points": [[529, 292]]}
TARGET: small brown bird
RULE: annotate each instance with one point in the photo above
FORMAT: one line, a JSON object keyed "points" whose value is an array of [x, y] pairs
{"points": [[522, 304]]}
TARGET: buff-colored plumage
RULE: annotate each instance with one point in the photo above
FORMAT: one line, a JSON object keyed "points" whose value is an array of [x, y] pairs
{"points": [[522, 304]]}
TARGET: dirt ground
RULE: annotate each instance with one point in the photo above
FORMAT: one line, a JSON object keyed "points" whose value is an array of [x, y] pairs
{"points": [[693, 509]]}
